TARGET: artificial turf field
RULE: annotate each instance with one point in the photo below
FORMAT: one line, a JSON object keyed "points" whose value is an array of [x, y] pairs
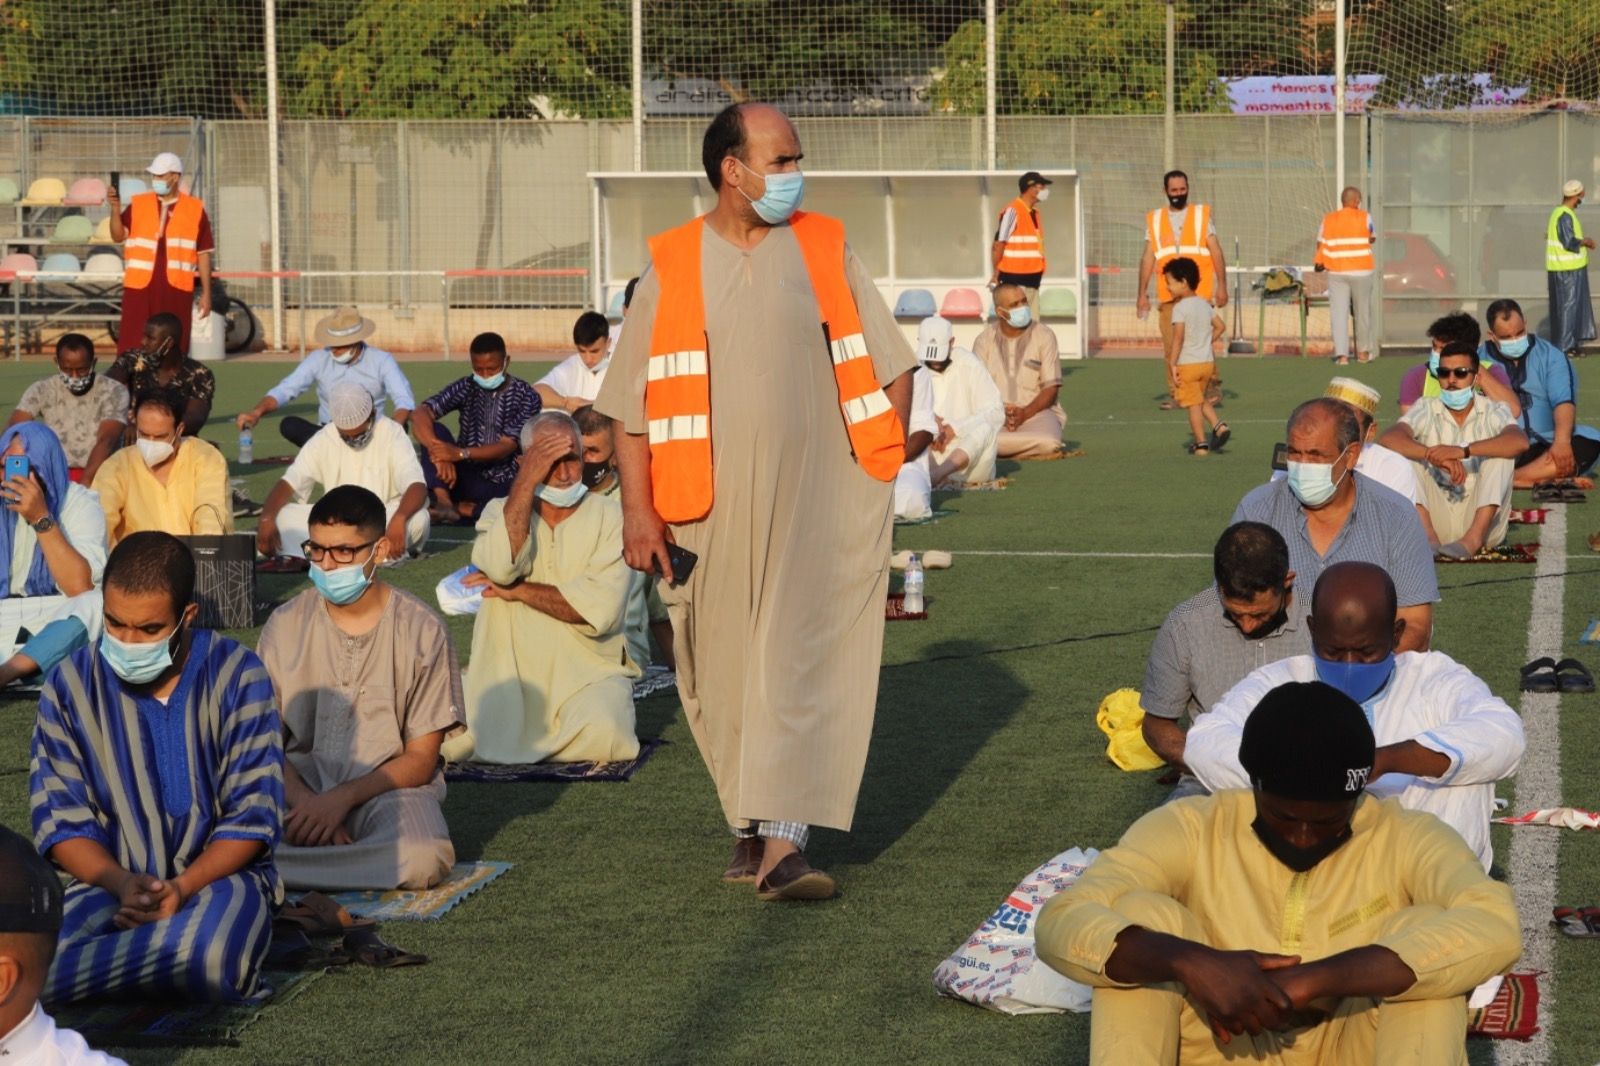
{"points": [[614, 941]]}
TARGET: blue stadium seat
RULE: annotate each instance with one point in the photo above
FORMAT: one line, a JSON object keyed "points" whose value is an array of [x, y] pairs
{"points": [[915, 303]]}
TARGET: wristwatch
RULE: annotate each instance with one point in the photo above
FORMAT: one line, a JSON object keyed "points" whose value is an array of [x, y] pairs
{"points": [[44, 525], [463, 455], [1466, 450]]}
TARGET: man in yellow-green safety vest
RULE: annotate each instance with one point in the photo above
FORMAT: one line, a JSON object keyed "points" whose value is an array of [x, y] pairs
{"points": [[1566, 264]]}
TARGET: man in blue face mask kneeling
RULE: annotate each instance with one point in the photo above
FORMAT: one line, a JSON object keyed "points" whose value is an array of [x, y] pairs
{"points": [[1443, 738], [370, 687]]}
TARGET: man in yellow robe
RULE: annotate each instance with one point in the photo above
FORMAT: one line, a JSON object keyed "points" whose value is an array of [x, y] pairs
{"points": [[1302, 922], [551, 677], [167, 482]]}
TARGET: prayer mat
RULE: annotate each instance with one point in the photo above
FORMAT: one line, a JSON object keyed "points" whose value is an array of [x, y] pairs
{"points": [[283, 564], [1531, 516], [273, 460], [1582, 922], [927, 519], [1513, 1014], [978, 486], [657, 679], [895, 610], [1076, 453], [1505, 553], [1591, 633], [492, 773], [152, 1023], [1560, 817], [424, 906]]}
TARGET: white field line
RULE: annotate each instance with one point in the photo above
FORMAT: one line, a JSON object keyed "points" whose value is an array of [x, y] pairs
{"points": [[1532, 865]]}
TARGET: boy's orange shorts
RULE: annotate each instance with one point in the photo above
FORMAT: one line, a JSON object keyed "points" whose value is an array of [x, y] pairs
{"points": [[1192, 381]]}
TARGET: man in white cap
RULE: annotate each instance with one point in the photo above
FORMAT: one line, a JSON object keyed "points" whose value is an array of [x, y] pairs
{"points": [[166, 244], [342, 355], [1566, 264], [1377, 462], [360, 447], [967, 407]]}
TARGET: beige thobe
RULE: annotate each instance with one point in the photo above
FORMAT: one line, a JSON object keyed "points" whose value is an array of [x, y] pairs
{"points": [[538, 688], [351, 704], [779, 631], [1022, 367]]}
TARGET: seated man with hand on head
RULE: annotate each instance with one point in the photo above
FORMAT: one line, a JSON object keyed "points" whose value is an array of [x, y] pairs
{"points": [[342, 356], [1462, 448], [1024, 360], [1547, 387], [157, 783], [1444, 738], [1300, 923], [1327, 511], [1423, 379], [370, 687], [466, 469], [86, 411], [552, 674], [967, 409], [167, 481], [575, 381], [1213, 640], [30, 921], [162, 363], [359, 448], [52, 532]]}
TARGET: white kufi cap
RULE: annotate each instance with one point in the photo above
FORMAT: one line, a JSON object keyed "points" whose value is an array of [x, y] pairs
{"points": [[350, 404]]}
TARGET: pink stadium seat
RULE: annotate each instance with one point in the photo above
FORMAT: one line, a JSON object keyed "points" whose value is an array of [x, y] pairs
{"points": [[86, 192], [962, 303], [11, 264]]}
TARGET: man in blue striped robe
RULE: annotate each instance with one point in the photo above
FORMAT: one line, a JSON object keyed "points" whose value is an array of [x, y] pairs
{"points": [[157, 784]]}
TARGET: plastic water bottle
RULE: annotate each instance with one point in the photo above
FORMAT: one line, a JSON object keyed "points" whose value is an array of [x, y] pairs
{"points": [[913, 587], [247, 451]]}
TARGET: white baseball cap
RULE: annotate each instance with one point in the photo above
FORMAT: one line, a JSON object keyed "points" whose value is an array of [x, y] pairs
{"points": [[933, 339], [166, 163]]}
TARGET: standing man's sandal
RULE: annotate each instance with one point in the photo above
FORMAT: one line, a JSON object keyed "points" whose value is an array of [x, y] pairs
{"points": [[793, 878]]}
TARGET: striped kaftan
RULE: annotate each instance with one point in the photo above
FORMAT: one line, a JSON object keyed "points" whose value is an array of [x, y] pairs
{"points": [[154, 784]]}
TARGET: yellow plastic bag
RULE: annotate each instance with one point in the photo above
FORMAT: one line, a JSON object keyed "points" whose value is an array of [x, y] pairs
{"points": [[1119, 718]]}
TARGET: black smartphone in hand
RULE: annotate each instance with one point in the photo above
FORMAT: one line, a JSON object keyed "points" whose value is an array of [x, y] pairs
{"points": [[116, 182], [682, 560]]}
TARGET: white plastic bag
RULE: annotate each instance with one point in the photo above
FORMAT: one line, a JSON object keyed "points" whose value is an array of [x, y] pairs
{"points": [[207, 335], [997, 969], [455, 597]]}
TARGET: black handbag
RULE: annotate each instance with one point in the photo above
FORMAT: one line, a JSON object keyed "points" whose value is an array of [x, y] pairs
{"points": [[225, 578]]}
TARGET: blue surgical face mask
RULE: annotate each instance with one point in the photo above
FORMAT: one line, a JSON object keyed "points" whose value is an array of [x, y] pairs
{"points": [[1456, 399], [1312, 483], [782, 198], [162, 188], [490, 383], [1019, 316], [1515, 349], [567, 497], [140, 664], [1433, 363], [1359, 681], [345, 584]]}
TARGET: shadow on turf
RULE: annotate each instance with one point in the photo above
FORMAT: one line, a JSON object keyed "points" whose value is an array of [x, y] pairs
{"points": [[931, 722]]}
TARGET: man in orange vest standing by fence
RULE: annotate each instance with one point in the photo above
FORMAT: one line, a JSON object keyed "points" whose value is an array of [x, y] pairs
{"points": [[166, 245], [1344, 250], [1187, 230], [1018, 254], [761, 399]]}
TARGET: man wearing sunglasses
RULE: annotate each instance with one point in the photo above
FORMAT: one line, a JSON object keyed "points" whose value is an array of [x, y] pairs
{"points": [[370, 687], [1464, 448]]}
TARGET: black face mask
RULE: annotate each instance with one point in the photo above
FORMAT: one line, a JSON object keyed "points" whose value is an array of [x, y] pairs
{"points": [[594, 473], [1271, 626], [1179, 202], [1295, 858]]}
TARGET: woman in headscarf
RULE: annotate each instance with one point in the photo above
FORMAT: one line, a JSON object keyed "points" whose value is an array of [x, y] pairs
{"points": [[52, 532]]}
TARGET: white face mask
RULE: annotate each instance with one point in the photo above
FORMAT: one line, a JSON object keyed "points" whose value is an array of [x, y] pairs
{"points": [[1044, 194], [155, 452]]}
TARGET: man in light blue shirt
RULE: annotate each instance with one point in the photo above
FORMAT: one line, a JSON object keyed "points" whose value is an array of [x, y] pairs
{"points": [[1547, 387], [342, 355]]}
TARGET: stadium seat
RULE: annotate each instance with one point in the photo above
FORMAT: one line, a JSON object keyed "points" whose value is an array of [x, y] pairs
{"points": [[962, 303], [107, 263], [63, 264], [131, 187], [8, 191], [1058, 303], [45, 192], [102, 232], [86, 192], [915, 303], [73, 229], [614, 308], [18, 261]]}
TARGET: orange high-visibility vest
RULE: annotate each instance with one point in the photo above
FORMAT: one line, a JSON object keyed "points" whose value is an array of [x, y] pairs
{"points": [[1024, 250], [677, 395], [183, 236], [1190, 244], [1345, 243]]}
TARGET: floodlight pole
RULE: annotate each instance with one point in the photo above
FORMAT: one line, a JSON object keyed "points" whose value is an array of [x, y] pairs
{"points": [[638, 84], [1169, 152], [274, 219], [990, 103], [1338, 97]]}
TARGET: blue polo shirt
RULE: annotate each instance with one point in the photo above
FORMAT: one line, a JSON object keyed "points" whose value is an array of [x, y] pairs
{"points": [[1543, 380]]}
